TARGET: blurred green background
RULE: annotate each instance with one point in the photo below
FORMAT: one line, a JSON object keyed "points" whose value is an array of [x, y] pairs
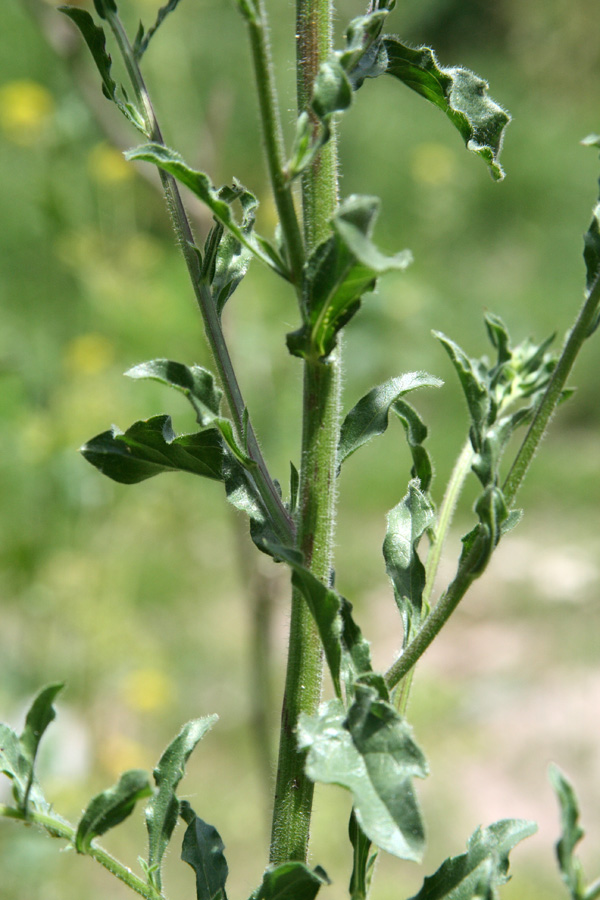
{"points": [[139, 597]]}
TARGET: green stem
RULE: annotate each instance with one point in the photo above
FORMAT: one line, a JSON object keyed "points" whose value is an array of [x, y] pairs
{"points": [[273, 138], [265, 486], [316, 498], [61, 829]]}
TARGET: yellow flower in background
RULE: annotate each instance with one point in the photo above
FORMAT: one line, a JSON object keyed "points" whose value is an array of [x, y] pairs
{"points": [[25, 110], [432, 164], [88, 354], [146, 690], [119, 752], [107, 165]]}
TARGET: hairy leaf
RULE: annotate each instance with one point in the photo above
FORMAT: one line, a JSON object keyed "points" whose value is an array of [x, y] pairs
{"points": [[370, 415], [200, 185], [150, 447], [111, 807], [364, 857], [371, 752], [571, 833], [143, 38], [416, 432], [203, 850], [340, 270], [40, 714], [162, 811], [406, 524], [96, 40], [461, 94], [478, 873], [290, 881], [474, 387], [17, 767], [199, 387]]}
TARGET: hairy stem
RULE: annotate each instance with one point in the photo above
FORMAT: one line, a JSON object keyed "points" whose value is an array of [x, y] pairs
{"points": [[265, 486], [59, 828], [316, 501]]}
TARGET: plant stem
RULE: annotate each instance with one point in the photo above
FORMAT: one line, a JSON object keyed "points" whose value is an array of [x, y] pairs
{"points": [[59, 828], [265, 486], [273, 138], [316, 499]]}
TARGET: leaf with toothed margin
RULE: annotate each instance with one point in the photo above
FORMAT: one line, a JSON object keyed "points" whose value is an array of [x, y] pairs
{"points": [[111, 807], [474, 387], [478, 873], [163, 809], [570, 866], [339, 271], [200, 185], [370, 751], [96, 40], [150, 447], [143, 38], [370, 415], [416, 433]]}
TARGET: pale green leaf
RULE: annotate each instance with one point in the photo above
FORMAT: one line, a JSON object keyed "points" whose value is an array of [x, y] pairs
{"points": [[571, 833], [143, 38]]}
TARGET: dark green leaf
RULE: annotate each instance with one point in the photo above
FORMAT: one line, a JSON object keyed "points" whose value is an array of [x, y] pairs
{"points": [[40, 714], [291, 881], [103, 7], [150, 447], [200, 185], [478, 873], [17, 767], [370, 415], [203, 850], [461, 94], [371, 752], [571, 833], [232, 258], [111, 807], [294, 485], [96, 40], [338, 273], [416, 432], [243, 494], [356, 652], [162, 811], [142, 40], [363, 860], [406, 524], [474, 387]]}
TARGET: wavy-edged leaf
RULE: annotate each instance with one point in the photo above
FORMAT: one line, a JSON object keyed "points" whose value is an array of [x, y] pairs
{"points": [[96, 40], [143, 38], [364, 858], [370, 415], [369, 751], [291, 881], [199, 387], [571, 833], [416, 433], [163, 809], [478, 873], [111, 807], [40, 714], [202, 849], [458, 92], [339, 271], [406, 524], [200, 185], [105, 7], [475, 389], [150, 447], [15, 765]]}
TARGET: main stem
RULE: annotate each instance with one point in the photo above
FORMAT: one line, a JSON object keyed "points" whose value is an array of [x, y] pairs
{"points": [[316, 503]]}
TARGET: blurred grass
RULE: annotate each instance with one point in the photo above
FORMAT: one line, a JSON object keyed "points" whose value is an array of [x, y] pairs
{"points": [[135, 596]]}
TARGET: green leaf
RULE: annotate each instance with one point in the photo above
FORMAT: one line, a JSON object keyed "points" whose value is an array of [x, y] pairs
{"points": [[416, 432], [475, 389], [371, 752], [150, 447], [203, 850], [200, 185], [339, 271], [199, 387], [162, 811], [17, 767], [143, 39], [459, 93], [291, 881], [96, 40], [104, 7], [39, 716], [363, 860], [571, 833], [478, 873], [111, 807], [370, 415], [406, 524], [231, 258]]}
